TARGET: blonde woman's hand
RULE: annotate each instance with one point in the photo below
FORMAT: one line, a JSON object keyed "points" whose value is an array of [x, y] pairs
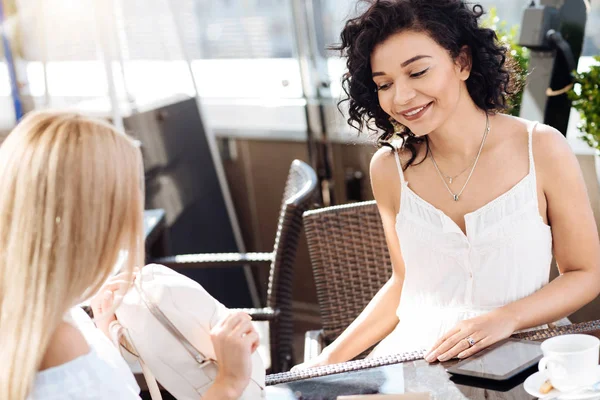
{"points": [[319, 361], [102, 303], [234, 340], [482, 331]]}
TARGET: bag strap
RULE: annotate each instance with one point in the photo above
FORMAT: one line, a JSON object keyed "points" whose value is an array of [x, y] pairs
{"points": [[150, 381], [117, 332]]}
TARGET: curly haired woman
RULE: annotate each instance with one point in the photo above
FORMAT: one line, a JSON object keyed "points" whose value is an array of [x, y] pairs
{"points": [[474, 203]]}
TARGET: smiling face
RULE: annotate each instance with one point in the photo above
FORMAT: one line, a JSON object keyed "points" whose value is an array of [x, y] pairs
{"points": [[418, 83]]}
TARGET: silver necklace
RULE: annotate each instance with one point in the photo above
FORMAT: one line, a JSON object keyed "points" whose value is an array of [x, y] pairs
{"points": [[452, 178], [456, 196]]}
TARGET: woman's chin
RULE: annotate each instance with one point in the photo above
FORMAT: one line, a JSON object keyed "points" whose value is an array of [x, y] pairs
{"points": [[419, 132]]}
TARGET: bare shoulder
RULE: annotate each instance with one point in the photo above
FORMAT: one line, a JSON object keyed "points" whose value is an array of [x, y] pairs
{"points": [[385, 177], [383, 162], [66, 344], [548, 142], [554, 159]]}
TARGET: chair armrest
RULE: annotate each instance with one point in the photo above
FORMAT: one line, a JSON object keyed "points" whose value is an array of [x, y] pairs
{"points": [[260, 314], [314, 343], [211, 260]]}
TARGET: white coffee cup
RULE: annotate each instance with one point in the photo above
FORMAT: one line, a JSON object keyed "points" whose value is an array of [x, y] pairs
{"points": [[570, 361]]}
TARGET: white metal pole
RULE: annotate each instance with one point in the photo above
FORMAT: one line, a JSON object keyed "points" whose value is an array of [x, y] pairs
{"points": [[102, 29], [212, 144], [122, 49], [44, 43]]}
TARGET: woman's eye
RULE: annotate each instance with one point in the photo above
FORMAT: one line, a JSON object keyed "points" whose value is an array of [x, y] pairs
{"points": [[384, 86], [417, 74]]}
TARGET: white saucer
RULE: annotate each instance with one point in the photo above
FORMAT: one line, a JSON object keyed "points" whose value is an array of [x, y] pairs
{"points": [[534, 382]]}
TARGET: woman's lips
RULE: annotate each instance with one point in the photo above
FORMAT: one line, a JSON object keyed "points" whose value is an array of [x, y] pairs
{"points": [[416, 113]]}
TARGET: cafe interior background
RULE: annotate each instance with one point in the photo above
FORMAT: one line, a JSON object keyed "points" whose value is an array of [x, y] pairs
{"points": [[224, 95]]}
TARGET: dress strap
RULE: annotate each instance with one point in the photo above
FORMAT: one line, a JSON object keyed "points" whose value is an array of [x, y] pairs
{"points": [[530, 130], [399, 164]]}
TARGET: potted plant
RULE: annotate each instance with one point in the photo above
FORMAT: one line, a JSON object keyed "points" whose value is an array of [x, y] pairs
{"points": [[518, 54], [585, 96]]}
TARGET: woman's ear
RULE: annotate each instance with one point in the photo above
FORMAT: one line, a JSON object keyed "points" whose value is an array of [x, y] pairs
{"points": [[464, 63]]}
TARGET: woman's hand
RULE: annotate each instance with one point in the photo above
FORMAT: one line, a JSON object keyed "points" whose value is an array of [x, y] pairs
{"points": [[102, 303], [484, 331], [319, 361], [234, 340]]}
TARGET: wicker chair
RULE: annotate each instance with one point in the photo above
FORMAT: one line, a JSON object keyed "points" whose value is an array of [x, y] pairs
{"points": [[350, 262], [299, 194]]}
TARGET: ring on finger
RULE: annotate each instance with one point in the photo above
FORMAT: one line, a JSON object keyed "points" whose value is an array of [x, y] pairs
{"points": [[470, 341]]}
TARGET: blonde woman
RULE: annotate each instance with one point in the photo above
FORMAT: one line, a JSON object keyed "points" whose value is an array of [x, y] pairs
{"points": [[71, 202]]}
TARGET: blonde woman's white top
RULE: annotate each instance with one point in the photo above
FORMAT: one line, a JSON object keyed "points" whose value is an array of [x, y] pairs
{"points": [[451, 276], [102, 374]]}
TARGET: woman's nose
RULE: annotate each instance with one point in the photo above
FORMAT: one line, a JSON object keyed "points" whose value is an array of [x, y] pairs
{"points": [[403, 94]]}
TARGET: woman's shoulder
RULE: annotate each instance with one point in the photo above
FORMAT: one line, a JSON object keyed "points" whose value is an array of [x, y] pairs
{"points": [[67, 343], [83, 361], [382, 159], [386, 158], [387, 164], [542, 134], [385, 176], [86, 377], [547, 143]]}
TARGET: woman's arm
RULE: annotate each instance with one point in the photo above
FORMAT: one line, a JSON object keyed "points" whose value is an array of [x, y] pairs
{"points": [[574, 235], [576, 249], [379, 318]]}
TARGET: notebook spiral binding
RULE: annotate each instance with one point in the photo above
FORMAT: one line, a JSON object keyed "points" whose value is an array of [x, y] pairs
{"points": [[357, 365]]}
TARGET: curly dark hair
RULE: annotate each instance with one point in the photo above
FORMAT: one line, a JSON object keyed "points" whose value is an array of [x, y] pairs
{"points": [[452, 24]]}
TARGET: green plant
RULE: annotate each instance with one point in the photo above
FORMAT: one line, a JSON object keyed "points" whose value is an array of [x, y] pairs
{"points": [[519, 54], [586, 100]]}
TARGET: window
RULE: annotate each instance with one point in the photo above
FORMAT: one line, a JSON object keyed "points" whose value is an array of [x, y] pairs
{"points": [[591, 43]]}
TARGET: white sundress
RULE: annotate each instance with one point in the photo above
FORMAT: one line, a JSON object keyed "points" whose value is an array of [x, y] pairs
{"points": [[505, 255]]}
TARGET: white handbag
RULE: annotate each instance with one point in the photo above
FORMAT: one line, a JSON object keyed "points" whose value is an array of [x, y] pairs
{"points": [[166, 320]]}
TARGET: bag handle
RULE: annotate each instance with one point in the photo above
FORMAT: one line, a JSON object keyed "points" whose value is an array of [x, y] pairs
{"points": [[118, 332], [151, 382]]}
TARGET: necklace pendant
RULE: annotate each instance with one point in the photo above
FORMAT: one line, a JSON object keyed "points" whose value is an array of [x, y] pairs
{"points": [[450, 180], [455, 197]]}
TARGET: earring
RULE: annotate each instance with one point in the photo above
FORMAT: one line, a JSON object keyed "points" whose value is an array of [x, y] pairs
{"points": [[397, 126]]}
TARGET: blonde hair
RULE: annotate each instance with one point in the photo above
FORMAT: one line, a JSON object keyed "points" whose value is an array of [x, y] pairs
{"points": [[70, 202]]}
